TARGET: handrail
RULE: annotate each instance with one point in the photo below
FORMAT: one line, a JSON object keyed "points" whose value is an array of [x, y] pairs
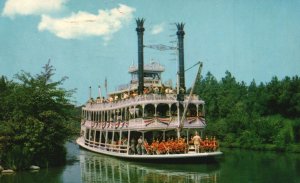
{"points": [[108, 147], [135, 100]]}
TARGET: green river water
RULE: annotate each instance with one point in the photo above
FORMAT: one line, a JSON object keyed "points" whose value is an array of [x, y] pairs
{"points": [[234, 166]]}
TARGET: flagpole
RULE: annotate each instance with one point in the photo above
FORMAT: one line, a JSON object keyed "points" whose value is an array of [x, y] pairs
{"points": [[105, 85], [99, 92]]}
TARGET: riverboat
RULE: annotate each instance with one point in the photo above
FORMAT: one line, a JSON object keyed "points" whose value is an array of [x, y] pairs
{"points": [[148, 119]]}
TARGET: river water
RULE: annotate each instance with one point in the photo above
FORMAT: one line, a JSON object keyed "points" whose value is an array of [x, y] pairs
{"points": [[234, 166]]}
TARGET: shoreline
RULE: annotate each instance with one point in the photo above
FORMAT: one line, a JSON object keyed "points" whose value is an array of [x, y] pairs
{"points": [[290, 148]]}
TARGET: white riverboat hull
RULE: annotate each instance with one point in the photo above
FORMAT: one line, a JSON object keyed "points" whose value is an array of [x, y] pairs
{"points": [[190, 155]]}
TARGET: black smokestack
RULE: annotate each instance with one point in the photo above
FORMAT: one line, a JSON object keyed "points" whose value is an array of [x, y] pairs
{"points": [[140, 32], [180, 35]]}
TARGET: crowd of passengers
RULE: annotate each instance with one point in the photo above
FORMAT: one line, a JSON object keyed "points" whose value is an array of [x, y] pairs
{"points": [[129, 94], [170, 146]]}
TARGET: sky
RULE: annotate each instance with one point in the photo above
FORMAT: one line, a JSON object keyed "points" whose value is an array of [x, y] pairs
{"points": [[91, 40]]}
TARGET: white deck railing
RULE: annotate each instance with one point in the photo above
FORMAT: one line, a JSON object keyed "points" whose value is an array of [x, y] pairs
{"points": [[149, 98], [108, 147], [152, 123]]}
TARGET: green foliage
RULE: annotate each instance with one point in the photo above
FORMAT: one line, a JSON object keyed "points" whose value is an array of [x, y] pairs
{"points": [[264, 116], [33, 120]]}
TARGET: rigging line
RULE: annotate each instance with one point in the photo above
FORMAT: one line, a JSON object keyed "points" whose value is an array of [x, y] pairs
{"points": [[192, 66], [190, 95]]}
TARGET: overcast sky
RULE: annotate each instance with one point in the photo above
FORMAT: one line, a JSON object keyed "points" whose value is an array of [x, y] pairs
{"points": [[93, 39]]}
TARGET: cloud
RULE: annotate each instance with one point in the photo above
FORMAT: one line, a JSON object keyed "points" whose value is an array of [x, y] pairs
{"points": [[83, 24], [158, 28], [31, 7]]}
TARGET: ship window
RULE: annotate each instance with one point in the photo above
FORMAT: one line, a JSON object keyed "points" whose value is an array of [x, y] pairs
{"points": [[87, 133], [131, 112], [102, 137], [201, 112], [92, 135], [174, 109], [149, 110], [138, 111], [152, 75], [112, 116], [116, 137], [192, 110], [105, 116], [163, 110], [97, 136], [127, 114]]}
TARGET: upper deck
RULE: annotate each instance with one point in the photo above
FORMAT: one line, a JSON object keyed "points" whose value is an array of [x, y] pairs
{"points": [[152, 78], [100, 105]]}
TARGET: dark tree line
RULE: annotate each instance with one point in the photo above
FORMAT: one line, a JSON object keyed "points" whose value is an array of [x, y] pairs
{"points": [[258, 116], [36, 118]]}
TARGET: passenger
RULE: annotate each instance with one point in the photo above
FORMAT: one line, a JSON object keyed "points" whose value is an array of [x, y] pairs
{"points": [[147, 147], [125, 141], [196, 140], [215, 144], [116, 97], [156, 90], [206, 144], [134, 94], [139, 146], [181, 145], [162, 89], [202, 145], [150, 89], [146, 91], [154, 146], [132, 147]]}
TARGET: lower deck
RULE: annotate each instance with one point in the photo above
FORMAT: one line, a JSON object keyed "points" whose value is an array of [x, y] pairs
{"points": [[122, 152]]}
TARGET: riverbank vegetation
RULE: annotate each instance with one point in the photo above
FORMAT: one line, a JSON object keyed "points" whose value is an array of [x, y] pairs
{"points": [[36, 119], [263, 116]]}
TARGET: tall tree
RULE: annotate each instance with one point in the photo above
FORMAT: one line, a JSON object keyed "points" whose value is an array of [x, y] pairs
{"points": [[36, 126]]}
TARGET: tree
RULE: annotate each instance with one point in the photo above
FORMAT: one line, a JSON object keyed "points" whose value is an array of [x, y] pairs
{"points": [[35, 127], [254, 116]]}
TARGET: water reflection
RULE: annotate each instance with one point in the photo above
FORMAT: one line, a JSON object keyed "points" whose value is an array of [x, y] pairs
{"points": [[99, 168]]}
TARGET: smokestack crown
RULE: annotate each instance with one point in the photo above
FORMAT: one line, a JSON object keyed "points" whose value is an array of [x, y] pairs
{"points": [[180, 31], [140, 24]]}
